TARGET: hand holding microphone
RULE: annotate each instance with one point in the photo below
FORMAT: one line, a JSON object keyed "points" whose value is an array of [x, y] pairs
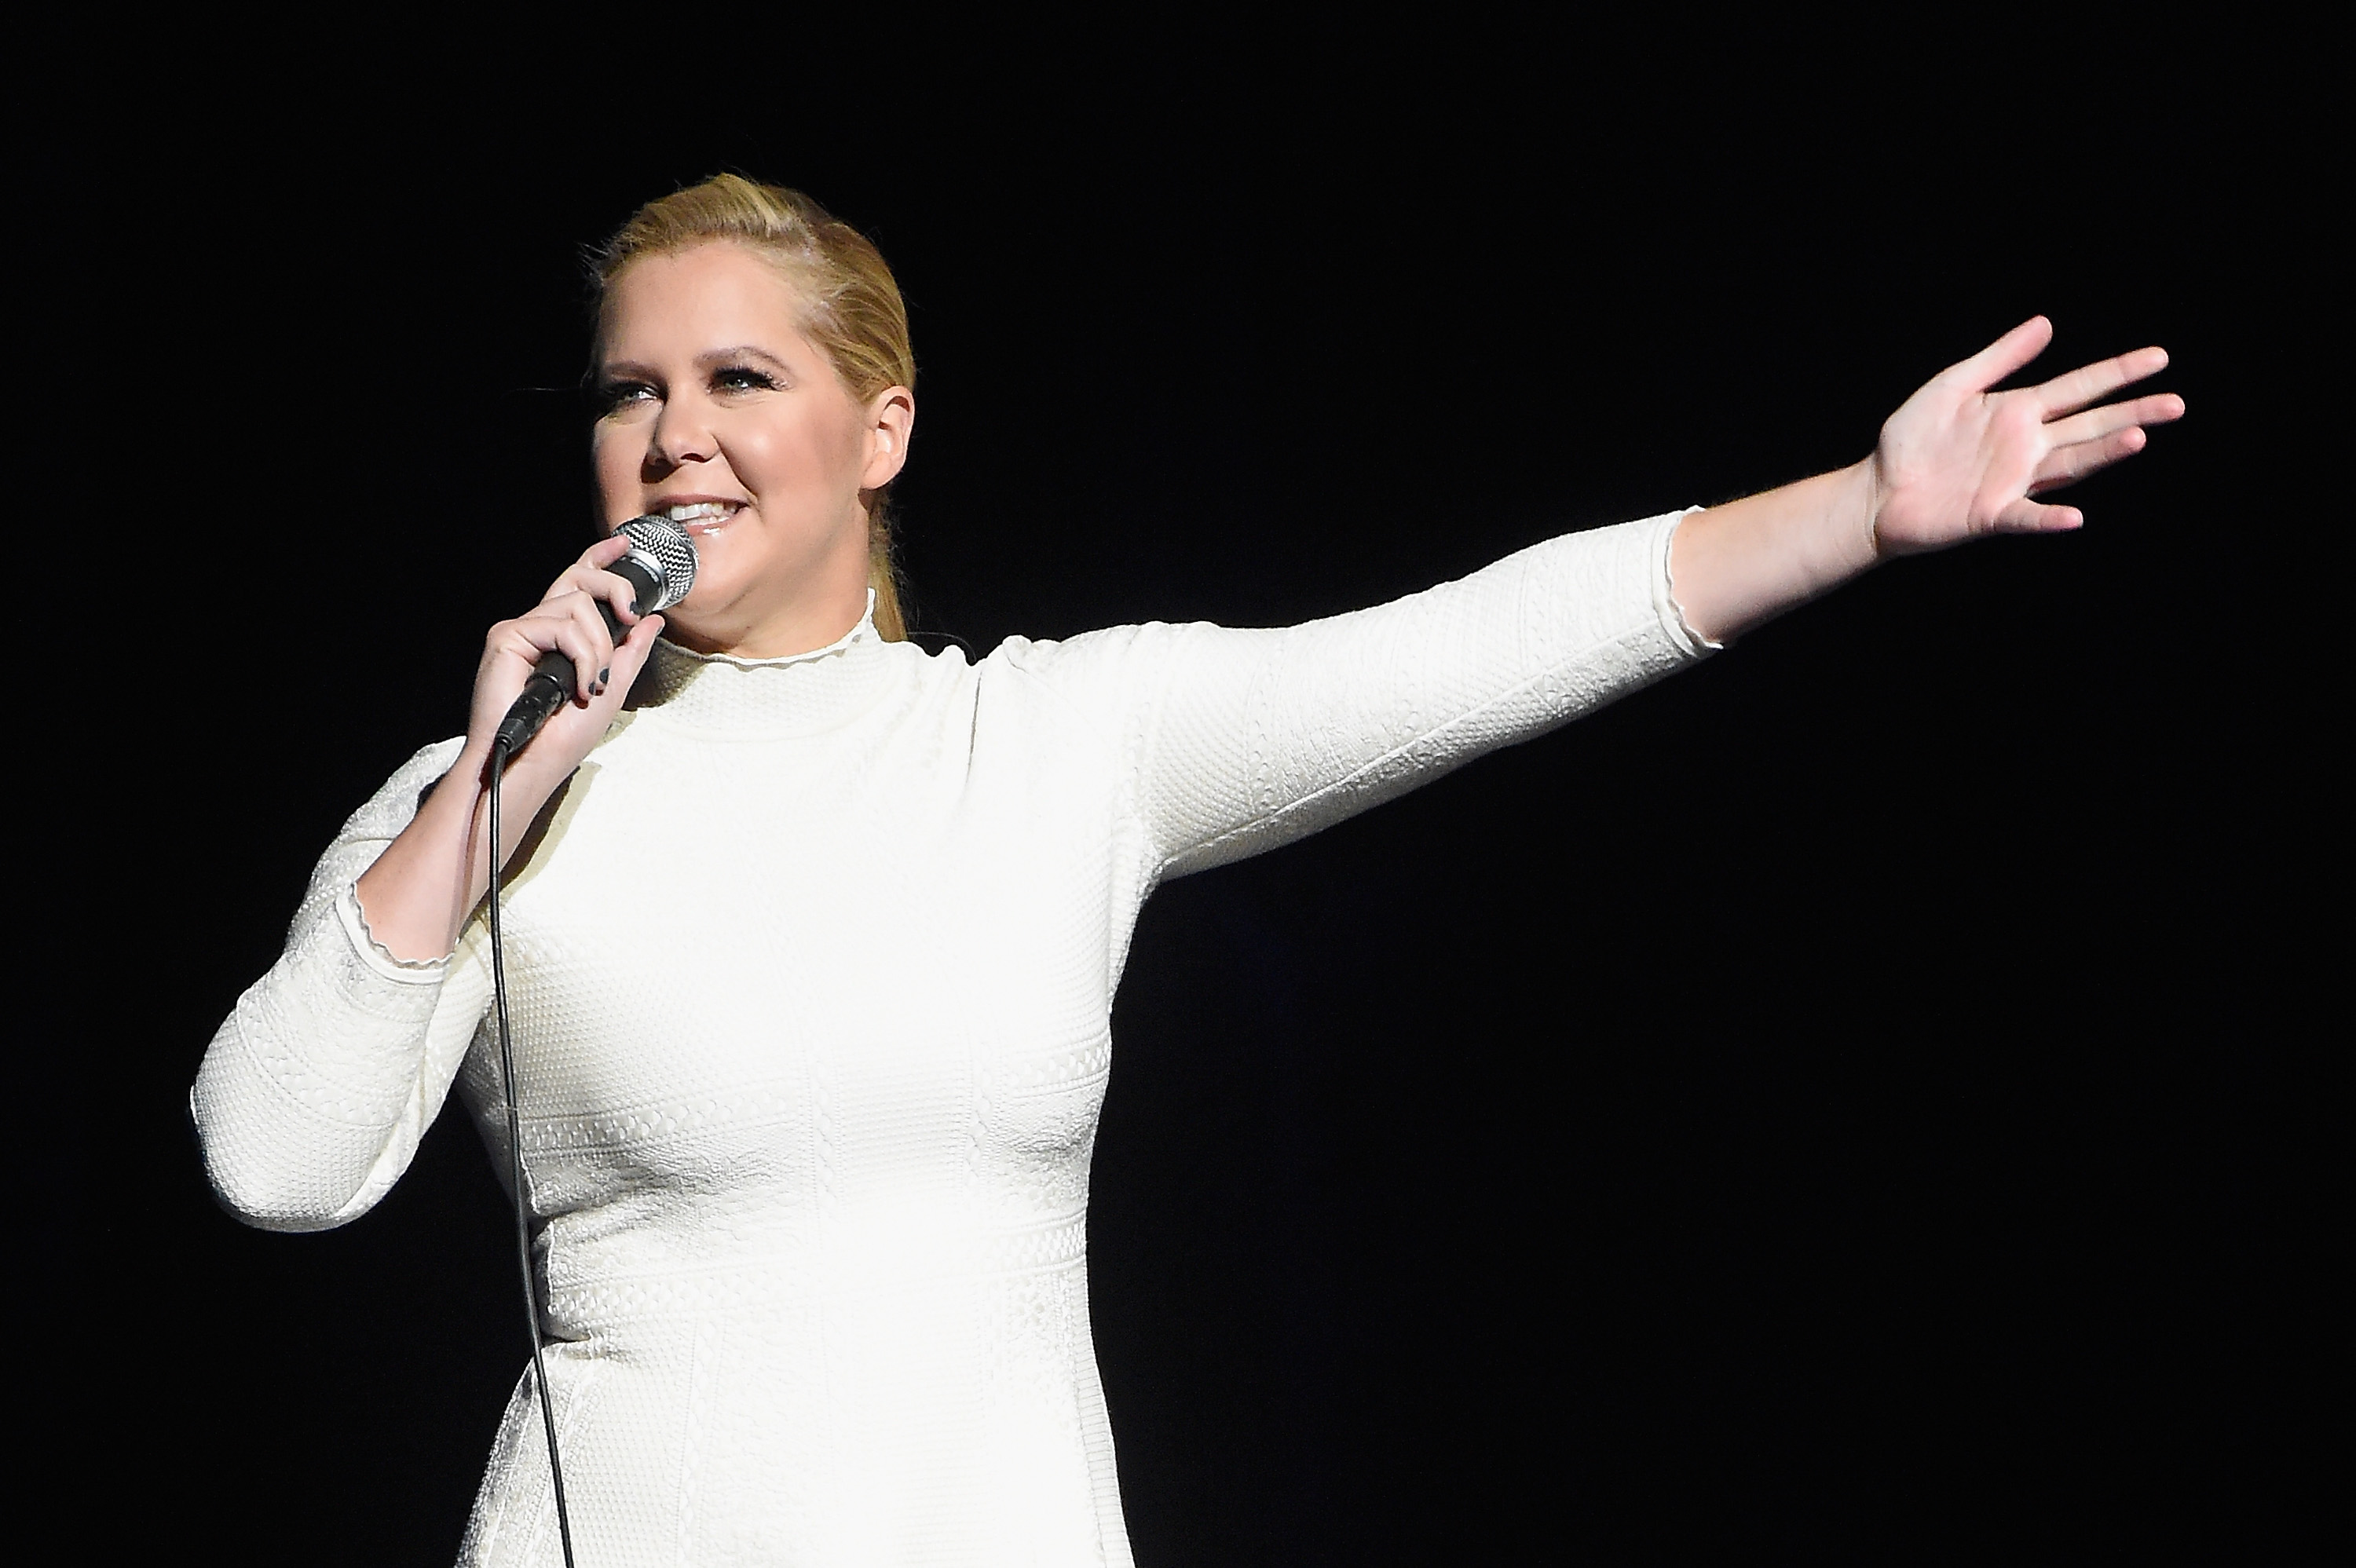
{"points": [[420, 892], [580, 639], [659, 563]]}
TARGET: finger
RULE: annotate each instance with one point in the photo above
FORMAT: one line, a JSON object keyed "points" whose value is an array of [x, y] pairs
{"points": [[591, 675], [594, 561], [642, 636], [2027, 517], [546, 631], [629, 657], [572, 627], [631, 654], [2005, 356], [2075, 388], [618, 592], [2068, 464], [606, 551], [581, 638], [609, 587], [2095, 423]]}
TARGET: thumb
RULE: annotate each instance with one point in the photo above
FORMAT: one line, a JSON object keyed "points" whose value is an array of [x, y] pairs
{"points": [[632, 652], [2006, 355]]}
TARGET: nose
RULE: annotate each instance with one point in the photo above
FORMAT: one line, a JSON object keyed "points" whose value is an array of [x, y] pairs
{"points": [[680, 435]]}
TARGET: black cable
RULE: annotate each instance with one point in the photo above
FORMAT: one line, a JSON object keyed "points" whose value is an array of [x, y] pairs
{"points": [[918, 638], [515, 1166]]}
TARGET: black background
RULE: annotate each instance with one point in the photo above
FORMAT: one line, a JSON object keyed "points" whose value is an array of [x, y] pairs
{"points": [[1844, 1102]]}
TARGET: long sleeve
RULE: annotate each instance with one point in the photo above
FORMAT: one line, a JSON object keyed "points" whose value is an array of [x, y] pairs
{"points": [[811, 1121], [1238, 741], [315, 1091]]}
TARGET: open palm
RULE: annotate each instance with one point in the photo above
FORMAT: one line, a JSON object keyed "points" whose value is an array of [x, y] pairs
{"points": [[1958, 461]]}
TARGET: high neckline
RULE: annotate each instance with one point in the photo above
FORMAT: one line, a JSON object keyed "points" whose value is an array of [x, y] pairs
{"points": [[797, 694]]}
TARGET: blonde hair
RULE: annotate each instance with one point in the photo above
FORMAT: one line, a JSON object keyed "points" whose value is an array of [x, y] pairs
{"points": [[852, 306]]}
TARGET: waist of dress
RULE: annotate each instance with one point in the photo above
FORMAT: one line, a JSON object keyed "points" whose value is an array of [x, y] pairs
{"points": [[605, 1286]]}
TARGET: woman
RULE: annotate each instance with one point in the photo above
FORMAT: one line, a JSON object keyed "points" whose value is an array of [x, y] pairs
{"points": [[808, 1143]]}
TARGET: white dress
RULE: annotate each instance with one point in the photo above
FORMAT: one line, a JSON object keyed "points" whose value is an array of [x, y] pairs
{"points": [[812, 963]]}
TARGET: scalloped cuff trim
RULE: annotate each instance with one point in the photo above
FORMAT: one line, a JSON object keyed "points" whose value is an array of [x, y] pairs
{"points": [[1665, 591], [375, 954]]}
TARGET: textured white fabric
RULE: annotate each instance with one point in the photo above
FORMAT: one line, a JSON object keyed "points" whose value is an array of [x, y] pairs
{"points": [[812, 964]]}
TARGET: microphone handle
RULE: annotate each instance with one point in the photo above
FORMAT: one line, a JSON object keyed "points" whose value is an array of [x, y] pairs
{"points": [[554, 678]]}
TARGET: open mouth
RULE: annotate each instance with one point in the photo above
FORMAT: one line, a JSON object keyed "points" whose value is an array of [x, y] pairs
{"points": [[700, 516]]}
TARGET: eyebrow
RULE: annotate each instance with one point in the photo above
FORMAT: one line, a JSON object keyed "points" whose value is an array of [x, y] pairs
{"points": [[741, 351], [705, 361]]}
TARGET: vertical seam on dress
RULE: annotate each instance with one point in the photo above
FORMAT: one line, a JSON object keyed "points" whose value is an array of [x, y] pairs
{"points": [[689, 1460], [576, 1406]]}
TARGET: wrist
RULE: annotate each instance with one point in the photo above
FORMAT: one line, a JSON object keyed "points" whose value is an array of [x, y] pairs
{"points": [[450, 800], [1858, 531]]}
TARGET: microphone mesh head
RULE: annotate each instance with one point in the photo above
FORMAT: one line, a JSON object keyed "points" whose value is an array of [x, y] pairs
{"points": [[667, 551]]}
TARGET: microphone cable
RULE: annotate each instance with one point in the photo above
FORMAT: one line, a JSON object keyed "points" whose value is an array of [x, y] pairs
{"points": [[500, 751], [660, 567]]}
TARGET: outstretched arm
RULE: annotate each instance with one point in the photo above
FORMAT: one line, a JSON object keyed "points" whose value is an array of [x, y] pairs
{"points": [[1955, 461]]}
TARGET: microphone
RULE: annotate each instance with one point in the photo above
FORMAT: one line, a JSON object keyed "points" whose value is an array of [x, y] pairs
{"points": [[659, 568]]}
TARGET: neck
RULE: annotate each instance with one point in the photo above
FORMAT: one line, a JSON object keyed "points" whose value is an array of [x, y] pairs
{"points": [[790, 630], [799, 694]]}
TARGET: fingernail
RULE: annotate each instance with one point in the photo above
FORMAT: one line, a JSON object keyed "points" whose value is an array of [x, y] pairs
{"points": [[605, 675]]}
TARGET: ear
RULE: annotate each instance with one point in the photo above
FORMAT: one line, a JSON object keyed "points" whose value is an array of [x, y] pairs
{"points": [[891, 421]]}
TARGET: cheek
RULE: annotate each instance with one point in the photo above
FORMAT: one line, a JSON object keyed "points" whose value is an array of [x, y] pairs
{"points": [[765, 457], [614, 467], [810, 457]]}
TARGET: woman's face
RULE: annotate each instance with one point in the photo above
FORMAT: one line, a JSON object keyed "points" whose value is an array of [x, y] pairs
{"points": [[720, 414]]}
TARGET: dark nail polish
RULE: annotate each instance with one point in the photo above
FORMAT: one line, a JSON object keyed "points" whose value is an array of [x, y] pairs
{"points": [[605, 675]]}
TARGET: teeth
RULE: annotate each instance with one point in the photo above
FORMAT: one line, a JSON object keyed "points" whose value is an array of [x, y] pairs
{"points": [[700, 512]]}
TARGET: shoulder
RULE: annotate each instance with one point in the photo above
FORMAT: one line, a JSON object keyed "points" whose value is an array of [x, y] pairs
{"points": [[1081, 691], [1096, 672], [1116, 653]]}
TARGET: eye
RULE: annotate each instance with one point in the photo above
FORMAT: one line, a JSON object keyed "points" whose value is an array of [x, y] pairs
{"points": [[614, 397], [742, 379]]}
